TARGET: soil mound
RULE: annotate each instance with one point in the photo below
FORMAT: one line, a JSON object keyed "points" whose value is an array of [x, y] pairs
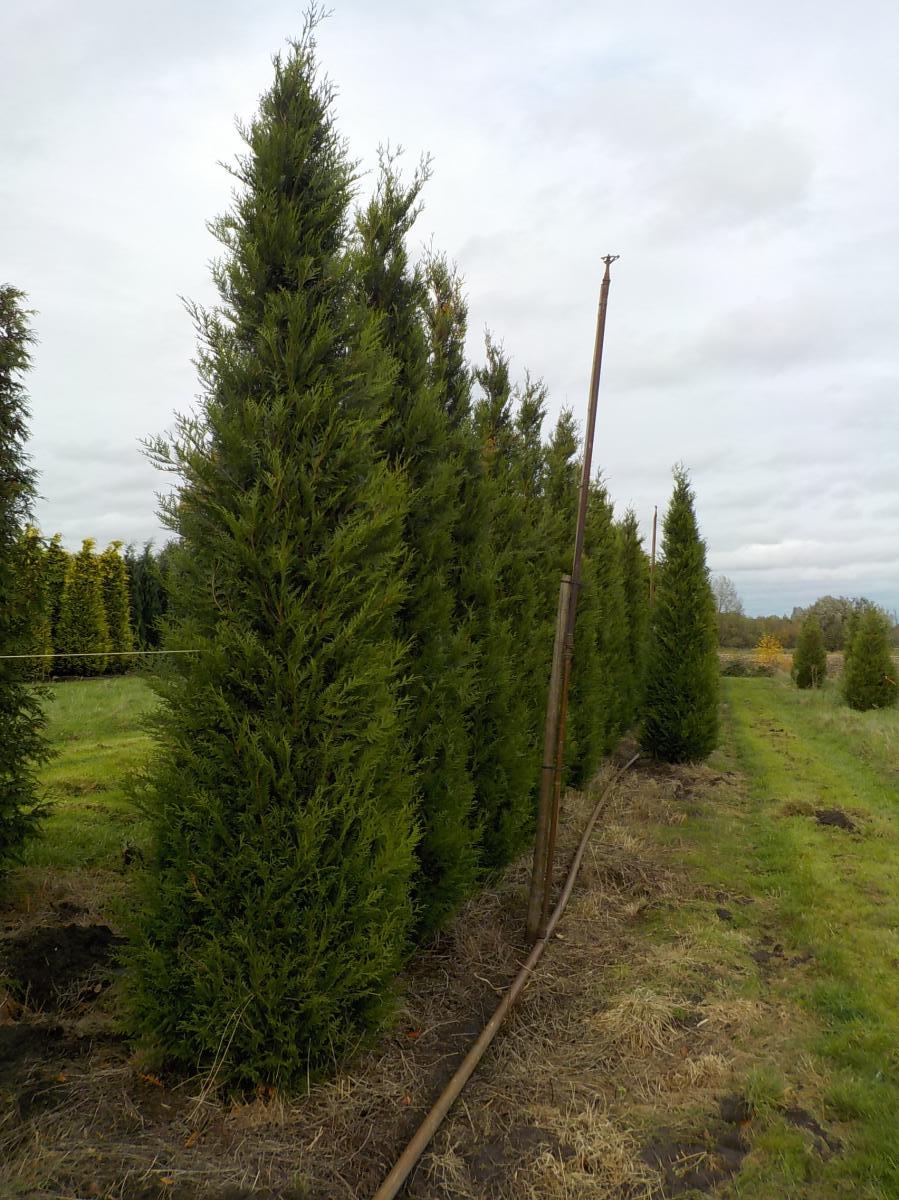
{"points": [[48, 964]]}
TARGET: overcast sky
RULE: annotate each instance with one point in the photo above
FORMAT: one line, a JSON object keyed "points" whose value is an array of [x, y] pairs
{"points": [[742, 159]]}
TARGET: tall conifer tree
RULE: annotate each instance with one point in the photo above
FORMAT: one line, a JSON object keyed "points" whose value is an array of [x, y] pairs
{"points": [[416, 436], [56, 566], [116, 605], [869, 673], [809, 668], [635, 583], [148, 596], [601, 687], [30, 591], [22, 741], [82, 628], [680, 715], [502, 724], [278, 910]]}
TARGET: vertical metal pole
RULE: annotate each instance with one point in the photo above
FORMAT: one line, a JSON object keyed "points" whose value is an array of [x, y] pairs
{"points": [[587, 464], [652, 561], [571, 613], [536, 898]]}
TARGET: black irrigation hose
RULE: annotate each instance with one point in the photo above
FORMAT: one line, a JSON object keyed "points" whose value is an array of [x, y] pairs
{"points": [[405, 1164]]}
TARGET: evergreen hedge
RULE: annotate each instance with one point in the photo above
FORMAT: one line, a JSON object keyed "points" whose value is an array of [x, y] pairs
{"points": [[116, 605], [81, 628], [635, 585], [56, 566], [30, 591]]}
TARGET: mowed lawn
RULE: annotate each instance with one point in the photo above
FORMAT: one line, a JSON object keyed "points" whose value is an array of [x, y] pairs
{"points": [[95, 728], [826, 913]]}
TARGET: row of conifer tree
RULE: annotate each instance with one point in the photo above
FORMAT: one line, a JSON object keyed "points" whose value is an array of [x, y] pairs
{"points": [[87, 612], [369, 539], [369, 542]]}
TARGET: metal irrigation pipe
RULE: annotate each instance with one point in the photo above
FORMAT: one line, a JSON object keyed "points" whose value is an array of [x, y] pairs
{"points": [[404, 1165]]}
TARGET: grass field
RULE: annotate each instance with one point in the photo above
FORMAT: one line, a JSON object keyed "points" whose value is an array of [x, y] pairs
{"points": [[719, 1014], [95, 731], [824, 921]]}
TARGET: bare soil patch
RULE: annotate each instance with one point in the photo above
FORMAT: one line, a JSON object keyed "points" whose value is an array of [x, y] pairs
{"points": [[836, 818]]}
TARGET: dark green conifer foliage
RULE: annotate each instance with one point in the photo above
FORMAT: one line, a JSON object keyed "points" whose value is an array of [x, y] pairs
{"points": [[539, 569], [22, 741], [501, 732], [146, 577], [416, 436], [601, 692], [473, 575], [635, 582], [559, 494], [116, 606], [810, 657], [278, 906], [446, 318], [613, 629], [30, 591], [56, 566], [869, 673], [680, 715], [82, 628]]}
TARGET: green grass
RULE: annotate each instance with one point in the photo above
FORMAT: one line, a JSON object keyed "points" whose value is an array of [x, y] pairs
{"points": [[95, 730], [828, 893]]}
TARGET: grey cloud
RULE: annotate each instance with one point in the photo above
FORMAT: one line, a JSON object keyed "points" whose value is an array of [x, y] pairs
{"points": [[750, 183]]}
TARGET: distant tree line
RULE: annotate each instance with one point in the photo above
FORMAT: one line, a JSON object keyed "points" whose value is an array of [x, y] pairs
{"points": [[99, 606], [833, 613]]}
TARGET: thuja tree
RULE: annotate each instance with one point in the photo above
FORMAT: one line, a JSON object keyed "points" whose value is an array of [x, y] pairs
{"points": [[30, 596], [473, 576], [81, 629], [501, 726], [557, 522], [635, 585], [809, 668], [603, 696], [56, 566], [22, 742], [680, 714], [116, 605], [278, 911], [147, 596], [869, 673], [540, 568], [416, 436]]}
